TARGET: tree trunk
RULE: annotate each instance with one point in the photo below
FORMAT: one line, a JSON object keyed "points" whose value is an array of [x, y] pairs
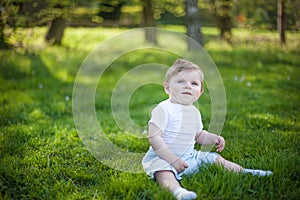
{"points": [[225, 23], [3, 44], [281, 21], [225, 26], [56, 31], [221, 10], [192, 22], [150, 34]]}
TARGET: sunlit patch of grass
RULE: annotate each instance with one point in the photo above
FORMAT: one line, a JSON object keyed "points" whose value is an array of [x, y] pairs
{"points": [[88, 39]]}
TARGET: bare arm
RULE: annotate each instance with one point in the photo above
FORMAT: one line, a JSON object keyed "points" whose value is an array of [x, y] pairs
{"points": [[204, 137], [162, 150]]}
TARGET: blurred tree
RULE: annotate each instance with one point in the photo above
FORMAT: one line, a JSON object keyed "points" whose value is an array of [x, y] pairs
{"points": [[270, 14], [8, 11], [110, 10], [259, 14], [281, 20], [222, 12], [192, 22], [263, 14], [3, 43], [153, 9], [35, 12], [174, 7], [149, 21], [27, 10], [56, 13], [56, 26]]}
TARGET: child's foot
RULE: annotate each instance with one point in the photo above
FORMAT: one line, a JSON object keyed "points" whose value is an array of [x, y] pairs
{"points": [[183, 194], [258, 172]]}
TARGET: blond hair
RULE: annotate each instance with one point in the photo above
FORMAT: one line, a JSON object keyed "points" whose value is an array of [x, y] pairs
{"points": [[183, 65]]}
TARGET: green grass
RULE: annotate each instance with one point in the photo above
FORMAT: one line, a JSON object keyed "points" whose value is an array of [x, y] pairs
{"points": [[43, 157]]}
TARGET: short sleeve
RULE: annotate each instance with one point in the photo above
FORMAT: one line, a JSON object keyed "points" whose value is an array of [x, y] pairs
{"points": [[200, 125], [159, 117]]}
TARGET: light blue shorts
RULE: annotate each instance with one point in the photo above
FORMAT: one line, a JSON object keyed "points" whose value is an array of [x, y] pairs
{"points": [[153, 163]]}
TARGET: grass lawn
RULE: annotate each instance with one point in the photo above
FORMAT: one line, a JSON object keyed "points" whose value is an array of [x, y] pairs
{"points": [[43, 157]]}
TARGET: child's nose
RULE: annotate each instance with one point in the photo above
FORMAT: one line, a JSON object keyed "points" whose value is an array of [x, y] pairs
{"points": [[188, 85]]}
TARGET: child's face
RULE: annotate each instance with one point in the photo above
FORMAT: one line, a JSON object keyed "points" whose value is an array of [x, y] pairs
{"points": [[184, 88]]}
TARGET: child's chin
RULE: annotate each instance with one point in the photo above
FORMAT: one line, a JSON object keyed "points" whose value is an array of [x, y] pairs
{"points": [[186, 102]]}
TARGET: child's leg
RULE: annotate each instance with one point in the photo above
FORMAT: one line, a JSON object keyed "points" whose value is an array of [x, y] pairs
{"points": [[228, 165], [237, 168], [167, 180]]}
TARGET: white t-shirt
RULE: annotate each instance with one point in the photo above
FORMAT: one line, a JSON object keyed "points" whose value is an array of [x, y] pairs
{"points": [[179, 124]]}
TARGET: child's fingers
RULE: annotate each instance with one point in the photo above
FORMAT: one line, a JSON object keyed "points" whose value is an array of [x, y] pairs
{"points": [[180, 165], [220, 143], [220, 147], [185, 165]]}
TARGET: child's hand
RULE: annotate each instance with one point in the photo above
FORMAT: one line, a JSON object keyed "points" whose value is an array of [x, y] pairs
{"points": [[180, 165], [220, 145]]}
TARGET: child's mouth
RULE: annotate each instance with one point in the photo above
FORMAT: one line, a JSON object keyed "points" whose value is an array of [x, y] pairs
{"points": [[187, 93]]}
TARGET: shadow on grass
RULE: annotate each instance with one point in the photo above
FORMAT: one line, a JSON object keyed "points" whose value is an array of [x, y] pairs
{"points": [[32, 101]]}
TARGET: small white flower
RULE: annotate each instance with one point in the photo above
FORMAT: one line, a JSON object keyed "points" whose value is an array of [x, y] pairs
{"points": [[242, 78], [236, 78]]}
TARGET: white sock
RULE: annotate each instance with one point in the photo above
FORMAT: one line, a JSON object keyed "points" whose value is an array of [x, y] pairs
{"points": [[258, 172], [183, 194]]}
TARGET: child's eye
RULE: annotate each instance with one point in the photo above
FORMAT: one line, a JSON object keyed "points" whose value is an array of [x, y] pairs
{"points": [[180, 81], [195, 83]]}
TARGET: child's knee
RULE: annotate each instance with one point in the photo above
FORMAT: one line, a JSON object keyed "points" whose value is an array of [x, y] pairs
{"points": [[167, 179], [228, 165], [220, 160]]}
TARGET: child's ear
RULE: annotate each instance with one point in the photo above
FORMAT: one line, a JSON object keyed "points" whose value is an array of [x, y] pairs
{"points": [[166, 87], [202, 88]]}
